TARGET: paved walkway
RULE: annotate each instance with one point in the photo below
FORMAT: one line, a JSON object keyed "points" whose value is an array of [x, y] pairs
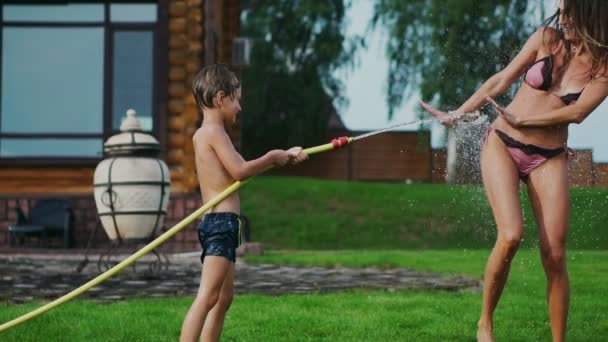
{"points": [[24, 278]]}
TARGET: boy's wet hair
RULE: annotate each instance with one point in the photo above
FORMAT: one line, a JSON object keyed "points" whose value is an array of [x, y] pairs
{"points": [[212, 79]]}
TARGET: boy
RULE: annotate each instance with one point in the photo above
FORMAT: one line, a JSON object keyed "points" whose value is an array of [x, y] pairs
{"points": [[218, 165]]}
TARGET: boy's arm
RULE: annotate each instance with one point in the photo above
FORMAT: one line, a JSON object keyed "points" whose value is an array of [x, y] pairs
{"points": [[234, 163]]}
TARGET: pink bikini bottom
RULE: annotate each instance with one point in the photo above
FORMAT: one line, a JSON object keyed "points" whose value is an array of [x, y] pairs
{"points": [[526, 157]]}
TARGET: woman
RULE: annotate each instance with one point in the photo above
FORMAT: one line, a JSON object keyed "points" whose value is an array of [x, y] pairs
{"points": [[565, 70]]}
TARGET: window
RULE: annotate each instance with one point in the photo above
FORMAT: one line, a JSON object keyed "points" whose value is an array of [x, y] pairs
{"points": [[70, 70], [132, 76]]}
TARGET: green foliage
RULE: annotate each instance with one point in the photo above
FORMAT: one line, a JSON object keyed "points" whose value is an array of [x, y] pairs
{"points": [[447, 48], [289, 88]]}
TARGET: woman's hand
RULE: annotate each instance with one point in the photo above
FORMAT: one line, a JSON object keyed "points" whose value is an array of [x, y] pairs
{"points": [[446, 119], [512, 118]]}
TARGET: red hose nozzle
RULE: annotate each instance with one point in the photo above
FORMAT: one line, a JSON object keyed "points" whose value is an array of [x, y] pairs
{"points": [[339, 142]]}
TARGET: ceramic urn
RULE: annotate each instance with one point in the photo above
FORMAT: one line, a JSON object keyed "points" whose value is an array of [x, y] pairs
{"points": [[132, 184]]}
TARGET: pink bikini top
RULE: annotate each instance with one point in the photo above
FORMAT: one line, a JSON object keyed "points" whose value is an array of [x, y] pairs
{"points": [[540, 76]]}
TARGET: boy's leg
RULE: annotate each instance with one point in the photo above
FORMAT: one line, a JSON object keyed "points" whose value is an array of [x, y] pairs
{"points": [[215, 270], [212, 329], [501, 183], [548, 189]]}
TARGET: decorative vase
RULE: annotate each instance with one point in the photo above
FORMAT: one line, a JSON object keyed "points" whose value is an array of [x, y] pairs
{"points": [[132, 184]]}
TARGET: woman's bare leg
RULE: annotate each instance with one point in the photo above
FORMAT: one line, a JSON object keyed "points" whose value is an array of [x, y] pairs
{"points": [[549, 194], [501, 182]]}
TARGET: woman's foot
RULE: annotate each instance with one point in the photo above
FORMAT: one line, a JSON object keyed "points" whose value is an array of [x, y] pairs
{"points": [[484, 332]]}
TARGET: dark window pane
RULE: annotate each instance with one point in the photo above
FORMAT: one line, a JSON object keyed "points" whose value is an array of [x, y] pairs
{"points": [[52, 80], [133, 12], [12, 148], [133, 76], [53, 13]]}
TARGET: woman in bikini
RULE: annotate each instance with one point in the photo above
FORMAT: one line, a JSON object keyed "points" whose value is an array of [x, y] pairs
{"points": [[565, 77]]}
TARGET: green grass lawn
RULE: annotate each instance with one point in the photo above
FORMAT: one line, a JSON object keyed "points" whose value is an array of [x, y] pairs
{"points": [[351, 316], [420, 226], [299, 213]]}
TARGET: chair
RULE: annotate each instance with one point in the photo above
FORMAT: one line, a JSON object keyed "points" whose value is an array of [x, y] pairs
{"points": [[49, 217]]}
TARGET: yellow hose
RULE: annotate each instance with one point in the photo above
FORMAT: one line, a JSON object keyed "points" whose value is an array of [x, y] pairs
{"points": [[149, 247]]}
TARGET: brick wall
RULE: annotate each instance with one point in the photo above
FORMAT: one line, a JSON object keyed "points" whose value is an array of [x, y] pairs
{"points": [[600, 173], [393, 156], [402, 156], [582, 171], [86, 220], [580, 168]]}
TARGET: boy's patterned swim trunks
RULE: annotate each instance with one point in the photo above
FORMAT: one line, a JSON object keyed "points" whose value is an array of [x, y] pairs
{"points": [[220, 235]]}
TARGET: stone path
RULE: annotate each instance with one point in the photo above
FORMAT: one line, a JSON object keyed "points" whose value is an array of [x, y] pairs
{"points": [[26, 278]]}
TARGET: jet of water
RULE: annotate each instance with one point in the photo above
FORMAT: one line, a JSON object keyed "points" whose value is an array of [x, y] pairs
{"points": [[390, 128], [474, 118]]}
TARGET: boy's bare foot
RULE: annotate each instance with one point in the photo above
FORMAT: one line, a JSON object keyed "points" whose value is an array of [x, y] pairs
{"points": [[484, 333]]}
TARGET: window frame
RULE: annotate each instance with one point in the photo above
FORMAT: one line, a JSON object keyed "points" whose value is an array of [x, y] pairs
{"points": [[160, 33]]}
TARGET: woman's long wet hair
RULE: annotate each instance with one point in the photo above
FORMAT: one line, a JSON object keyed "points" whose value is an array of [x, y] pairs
{"points": [[589, 19]]}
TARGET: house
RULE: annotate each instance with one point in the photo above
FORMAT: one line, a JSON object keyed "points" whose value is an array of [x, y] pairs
{"points": [[71, 69]]}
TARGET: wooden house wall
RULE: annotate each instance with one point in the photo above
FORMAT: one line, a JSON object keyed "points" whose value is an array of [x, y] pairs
{"points": [[185, 33]]}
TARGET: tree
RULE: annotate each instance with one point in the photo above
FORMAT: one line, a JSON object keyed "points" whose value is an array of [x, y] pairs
{"points": [[290, 87], [447, 48]]}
